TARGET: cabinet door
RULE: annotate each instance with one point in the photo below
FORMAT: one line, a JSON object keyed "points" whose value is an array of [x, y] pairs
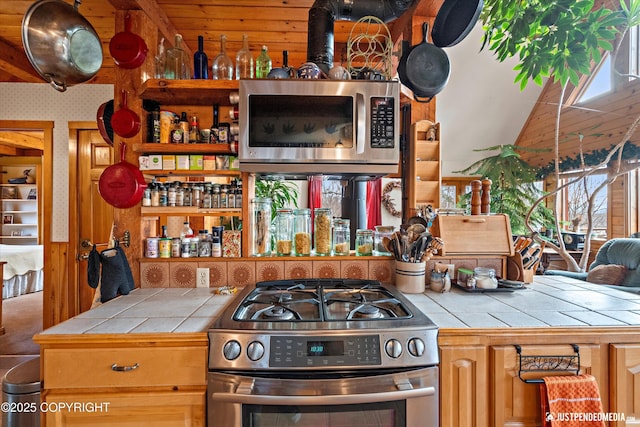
{"points": [[463, 386], [516, 403], [142, 409], [625, 383]]}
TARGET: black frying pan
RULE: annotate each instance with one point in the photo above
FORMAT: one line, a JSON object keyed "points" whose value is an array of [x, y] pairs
{"points": [[454, 21]]}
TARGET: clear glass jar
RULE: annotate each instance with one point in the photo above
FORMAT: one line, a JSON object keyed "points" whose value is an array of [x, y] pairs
{"points": [[322, 231], [381, 232], [341, 236], [364, 242], [204, 244], [284, 231], [302, 231], [261, 221], [483, 278]]}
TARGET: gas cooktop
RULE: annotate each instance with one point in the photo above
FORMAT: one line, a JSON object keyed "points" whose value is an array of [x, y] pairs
{"points": [[321, 324], [321, 304]]}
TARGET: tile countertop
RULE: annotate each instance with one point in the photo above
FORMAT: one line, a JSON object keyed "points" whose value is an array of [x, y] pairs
{"points": [[150, 310], [551, 301]]}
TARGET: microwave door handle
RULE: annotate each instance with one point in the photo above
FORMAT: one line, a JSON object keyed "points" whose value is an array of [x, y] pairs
{"points": [[349, 399], [361, 124]]}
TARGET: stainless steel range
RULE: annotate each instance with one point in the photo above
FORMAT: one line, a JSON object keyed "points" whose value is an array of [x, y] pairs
{"points": [[322, 352]]}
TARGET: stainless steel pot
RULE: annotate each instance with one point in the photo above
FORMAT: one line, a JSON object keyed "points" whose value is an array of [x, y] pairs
{"points": [[60, 43]]}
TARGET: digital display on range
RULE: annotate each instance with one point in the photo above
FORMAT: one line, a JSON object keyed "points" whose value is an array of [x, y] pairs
{"points": [[325, 348]]}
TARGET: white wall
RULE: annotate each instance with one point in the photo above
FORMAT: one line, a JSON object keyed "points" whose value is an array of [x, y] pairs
{"points": [[29, 101]]}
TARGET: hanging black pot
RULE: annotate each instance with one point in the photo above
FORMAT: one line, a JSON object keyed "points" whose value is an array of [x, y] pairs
{"points": [[424, 68]]}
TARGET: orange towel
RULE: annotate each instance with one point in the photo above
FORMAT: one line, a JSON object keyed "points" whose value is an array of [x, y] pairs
{"points": [[571, 401]]}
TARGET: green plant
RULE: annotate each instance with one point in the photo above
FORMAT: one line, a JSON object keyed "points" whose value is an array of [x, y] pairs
{"points": [[561, 39], [281, 192], [513, 188]]}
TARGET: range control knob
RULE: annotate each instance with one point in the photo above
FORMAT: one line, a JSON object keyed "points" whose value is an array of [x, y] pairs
{"points": [[255, 350], [393, 348], [416, 347], [231, 350]]}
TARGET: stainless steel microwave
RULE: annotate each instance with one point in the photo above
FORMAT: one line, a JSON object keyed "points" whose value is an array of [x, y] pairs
{"points": [[319, 126]]}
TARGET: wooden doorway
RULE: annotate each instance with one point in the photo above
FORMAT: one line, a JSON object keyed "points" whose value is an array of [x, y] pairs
{"points": [[90, 217]]}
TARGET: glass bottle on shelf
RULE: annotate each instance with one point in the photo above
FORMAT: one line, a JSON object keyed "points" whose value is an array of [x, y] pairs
{"points": [[175, 61], [284, 231], [186, 231], [160, 60], [302, 231], [322, 231], [341, 236], [200, 61], [213, 131], [244, 60], [194, 130], [222, 66], [263, 64], [261, 222]]}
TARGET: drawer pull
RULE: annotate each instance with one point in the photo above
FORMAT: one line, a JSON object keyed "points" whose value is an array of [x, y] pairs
{"points": [[474, 220], [117, 368]]}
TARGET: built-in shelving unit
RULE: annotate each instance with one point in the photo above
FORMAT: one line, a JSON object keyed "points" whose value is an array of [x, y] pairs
{"points": [[424, 171], [19, 210]]}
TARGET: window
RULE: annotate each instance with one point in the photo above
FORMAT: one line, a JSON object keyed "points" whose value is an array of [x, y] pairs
{"points": [[600, 83], [574, 202]]}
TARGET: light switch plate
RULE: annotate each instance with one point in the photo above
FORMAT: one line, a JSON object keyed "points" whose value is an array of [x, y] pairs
{"points": [[202, 277]]}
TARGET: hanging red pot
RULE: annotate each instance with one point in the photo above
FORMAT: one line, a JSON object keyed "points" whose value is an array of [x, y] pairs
{"points": [[128, 49], [122, 184], [125, 122]]}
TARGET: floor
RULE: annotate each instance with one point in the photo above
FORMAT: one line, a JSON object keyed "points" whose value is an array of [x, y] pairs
{"points": [[21, 318]]}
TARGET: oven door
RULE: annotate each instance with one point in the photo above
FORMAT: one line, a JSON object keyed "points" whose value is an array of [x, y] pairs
{"points": [[399, 399]]}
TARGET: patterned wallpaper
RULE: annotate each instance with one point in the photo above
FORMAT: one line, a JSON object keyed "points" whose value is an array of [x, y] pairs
{"points": [[34, 101]]}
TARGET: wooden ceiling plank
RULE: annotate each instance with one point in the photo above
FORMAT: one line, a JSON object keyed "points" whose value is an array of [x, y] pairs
{"points": [[22, 140], [15, 62]]}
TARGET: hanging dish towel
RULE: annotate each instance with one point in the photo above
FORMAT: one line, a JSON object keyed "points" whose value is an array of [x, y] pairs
{"points": [[93, 268], [116, 277], [571, 401]]}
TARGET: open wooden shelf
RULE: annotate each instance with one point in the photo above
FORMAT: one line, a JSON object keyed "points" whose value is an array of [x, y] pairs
{"points": [[157, 148], [189, 92]]}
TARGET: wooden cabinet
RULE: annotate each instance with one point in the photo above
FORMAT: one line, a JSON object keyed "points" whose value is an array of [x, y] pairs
{"points": [[625, 383], [464, 392], [516, 403], [424, 165], [122, 380]]}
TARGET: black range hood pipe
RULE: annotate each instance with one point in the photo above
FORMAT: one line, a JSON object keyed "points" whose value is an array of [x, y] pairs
{"points": [[324, 13]]}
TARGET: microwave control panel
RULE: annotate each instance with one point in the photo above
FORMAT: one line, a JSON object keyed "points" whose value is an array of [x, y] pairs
{"points": [[382, 122]]}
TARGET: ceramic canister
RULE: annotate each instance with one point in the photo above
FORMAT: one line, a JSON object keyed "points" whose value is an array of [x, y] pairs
{"points": [[410, 277]]}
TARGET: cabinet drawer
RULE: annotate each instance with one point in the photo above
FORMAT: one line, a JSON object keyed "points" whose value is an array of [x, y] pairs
{"points": [[474, 234], [94, 367]]}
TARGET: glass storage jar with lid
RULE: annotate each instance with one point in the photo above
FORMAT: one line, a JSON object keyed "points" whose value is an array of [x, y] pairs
{"points": [[322, 231], [483, 278], [341, 236], [302, 231], [364, 242], [284, 231], [261, 221]]}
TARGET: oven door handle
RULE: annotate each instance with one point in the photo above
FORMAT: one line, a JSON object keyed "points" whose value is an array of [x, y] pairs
{"points": [[347, 399]]}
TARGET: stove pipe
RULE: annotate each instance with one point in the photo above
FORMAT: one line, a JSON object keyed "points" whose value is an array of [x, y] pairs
{"points": [[324, 13]]}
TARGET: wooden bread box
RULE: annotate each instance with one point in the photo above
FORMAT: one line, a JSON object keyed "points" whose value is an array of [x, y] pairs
{"points": [[474, 234], [474, 237]]}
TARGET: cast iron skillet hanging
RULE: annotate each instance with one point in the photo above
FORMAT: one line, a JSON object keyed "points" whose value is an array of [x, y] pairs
{"points": [[60, 43], [424, 68], [103, 117], [454, 21], [122, 184], [128, 49], [125, 121]]}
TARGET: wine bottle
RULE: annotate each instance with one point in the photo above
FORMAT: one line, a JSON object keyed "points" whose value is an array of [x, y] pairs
{"points": [[200, 61], [213, 132], [222, 68], [263, 64], [244, 60]]}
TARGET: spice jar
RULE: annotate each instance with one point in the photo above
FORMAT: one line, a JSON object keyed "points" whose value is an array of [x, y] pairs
{"points": [[341, 236], [284, 231], [484, 278], [302, 231], [261, 221], [364, 242], [322, 231]]}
